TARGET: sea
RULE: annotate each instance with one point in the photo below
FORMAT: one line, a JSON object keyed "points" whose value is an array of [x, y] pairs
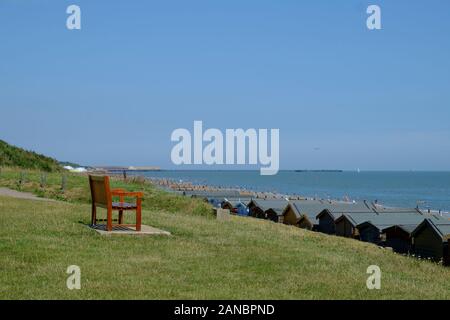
{"points": [[428, 190]]}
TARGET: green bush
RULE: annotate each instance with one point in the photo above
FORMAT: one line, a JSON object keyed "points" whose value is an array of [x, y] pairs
{"points": [[11, 156]]}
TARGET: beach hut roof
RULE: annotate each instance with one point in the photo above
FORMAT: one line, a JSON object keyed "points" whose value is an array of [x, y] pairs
{"points": [[267, 204], [336, 208], [313, 220], [342, 206], [408, 228], [356, 218], [382, 209], [440, 225], [237, 201], [385, 220], [308, 208], [278, 211]]}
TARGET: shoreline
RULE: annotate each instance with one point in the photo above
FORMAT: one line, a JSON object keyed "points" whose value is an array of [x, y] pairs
{"points": [[181, 186]]}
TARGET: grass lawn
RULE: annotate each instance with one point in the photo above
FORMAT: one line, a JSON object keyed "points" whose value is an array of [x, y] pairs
{"points": [[76, 190], [203, 259], [243, 258]]}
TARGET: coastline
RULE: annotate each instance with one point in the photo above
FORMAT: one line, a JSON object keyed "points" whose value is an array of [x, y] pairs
{"points": [[180, 183]]}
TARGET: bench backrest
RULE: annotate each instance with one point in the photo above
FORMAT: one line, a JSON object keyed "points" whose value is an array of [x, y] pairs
{"points": [[100, 191]]}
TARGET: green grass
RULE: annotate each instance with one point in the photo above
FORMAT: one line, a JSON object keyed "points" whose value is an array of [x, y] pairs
{"points": [[243, 258], [77, 190]]}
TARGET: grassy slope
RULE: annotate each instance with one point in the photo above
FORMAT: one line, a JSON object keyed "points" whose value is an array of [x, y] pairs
{"points": [[12, 156], [204, 258], [77, 190]]}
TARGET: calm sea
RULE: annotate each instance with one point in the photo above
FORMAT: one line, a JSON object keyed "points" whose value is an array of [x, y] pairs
{"points": [[405, 189]]}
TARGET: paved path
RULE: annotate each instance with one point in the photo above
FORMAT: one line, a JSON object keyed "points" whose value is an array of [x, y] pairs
{"points": [[145, 230], [20, 195]]}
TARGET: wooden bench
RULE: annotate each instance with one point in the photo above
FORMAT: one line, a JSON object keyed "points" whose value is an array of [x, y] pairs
{"points": [[102, 196]]}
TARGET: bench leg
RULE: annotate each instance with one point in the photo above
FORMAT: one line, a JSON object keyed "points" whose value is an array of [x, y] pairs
{"points": [[109, 220], [120, 216], [138, 215], [94, 215]]}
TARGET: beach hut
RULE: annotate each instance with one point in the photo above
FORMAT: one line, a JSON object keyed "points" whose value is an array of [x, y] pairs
{"points": [[274, 214], [346, 224], [255, 209], [215, 202], [325, 221], [327, 217], [372, 230], [236, 206], [398, 237], [430, 239], [258, 207], [307, 222], [302, 213], [228, 205]]}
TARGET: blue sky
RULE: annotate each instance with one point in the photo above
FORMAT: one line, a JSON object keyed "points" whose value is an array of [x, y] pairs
{"points": [[342, 96]]}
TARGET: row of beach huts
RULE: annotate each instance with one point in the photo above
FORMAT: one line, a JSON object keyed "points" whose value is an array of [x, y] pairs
{"points": [[405, 230]]}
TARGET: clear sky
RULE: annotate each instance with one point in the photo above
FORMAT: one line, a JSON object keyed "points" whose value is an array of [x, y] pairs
{"points": [[343, 97]]}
